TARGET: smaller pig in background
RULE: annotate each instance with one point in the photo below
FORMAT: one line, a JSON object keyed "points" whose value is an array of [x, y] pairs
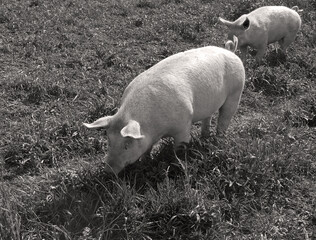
{"points": [[167, 98], [263, 26]]}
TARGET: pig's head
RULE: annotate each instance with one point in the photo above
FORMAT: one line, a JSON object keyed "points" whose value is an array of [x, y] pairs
{"points": [[126, 144], [237, 28]]}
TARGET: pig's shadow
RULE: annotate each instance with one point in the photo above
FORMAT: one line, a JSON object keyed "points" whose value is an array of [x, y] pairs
{"points": [[93, 192], [155, 168], [275, 58], [165, 163]]}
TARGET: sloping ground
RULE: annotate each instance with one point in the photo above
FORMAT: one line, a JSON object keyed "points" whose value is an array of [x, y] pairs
{"points": [[67, 62]]}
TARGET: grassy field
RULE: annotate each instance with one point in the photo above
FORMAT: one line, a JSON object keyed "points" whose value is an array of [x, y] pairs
{"points": [[67, 62]]}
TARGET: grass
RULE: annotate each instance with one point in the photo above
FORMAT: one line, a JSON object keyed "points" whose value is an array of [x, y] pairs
{"points": [[67, 62]]}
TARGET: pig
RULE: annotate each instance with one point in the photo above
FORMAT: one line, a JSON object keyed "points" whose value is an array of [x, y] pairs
{"points": [[263, 26], [167, 98], [232, 45]]}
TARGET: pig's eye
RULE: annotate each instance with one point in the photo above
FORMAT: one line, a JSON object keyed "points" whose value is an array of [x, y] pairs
{"points": [[126, 145]]}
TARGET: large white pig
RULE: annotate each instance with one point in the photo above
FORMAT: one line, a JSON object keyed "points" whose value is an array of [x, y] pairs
{"points": [[263, 26], [167, 98]]}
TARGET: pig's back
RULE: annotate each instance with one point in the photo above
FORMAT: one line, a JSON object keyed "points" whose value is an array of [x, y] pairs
{"points": [[277, 20], [187, 81], [206, 64]]}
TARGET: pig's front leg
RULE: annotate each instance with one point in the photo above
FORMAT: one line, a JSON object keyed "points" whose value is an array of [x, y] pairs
{"points": [[243, 50], [261, 50]]}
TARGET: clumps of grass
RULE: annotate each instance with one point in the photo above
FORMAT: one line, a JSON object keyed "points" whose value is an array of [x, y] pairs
{"points": [[145, 4], [88, 203], [268, 83], [305, 65], [27, 154], [35, 95], [10, 219], [18, 158], [174, 210], [3, 17], [120, 8], [276, 58], [303, 115], [68, 138], [108, 60], [235, 11], [80, 204], [34, 3], [303, 119], [188, 31], [37, 92], [209, 192], [101, 109], [271, 83], [286, 146], [172, 1], [209, 189]]}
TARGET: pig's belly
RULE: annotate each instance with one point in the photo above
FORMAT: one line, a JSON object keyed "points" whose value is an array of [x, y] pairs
{"points": [[276, 35], [205, 106]]}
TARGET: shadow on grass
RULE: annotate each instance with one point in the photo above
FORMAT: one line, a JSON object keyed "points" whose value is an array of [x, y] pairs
{"points": [[190, 196], [116, 206]]}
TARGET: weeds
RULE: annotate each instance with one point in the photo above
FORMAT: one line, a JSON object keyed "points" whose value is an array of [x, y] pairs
{"points": [[10, 218]]}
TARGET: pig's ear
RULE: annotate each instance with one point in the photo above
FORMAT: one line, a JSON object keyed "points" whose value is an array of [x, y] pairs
{"points": [[235, 39], [246, 23], [103, 122], [235, 42], [225, 22], [132, 129]]}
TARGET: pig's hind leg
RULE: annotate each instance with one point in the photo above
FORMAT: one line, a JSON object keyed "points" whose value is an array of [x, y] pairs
{"points": [[287, 40], [205, 132], [226, 112]]}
